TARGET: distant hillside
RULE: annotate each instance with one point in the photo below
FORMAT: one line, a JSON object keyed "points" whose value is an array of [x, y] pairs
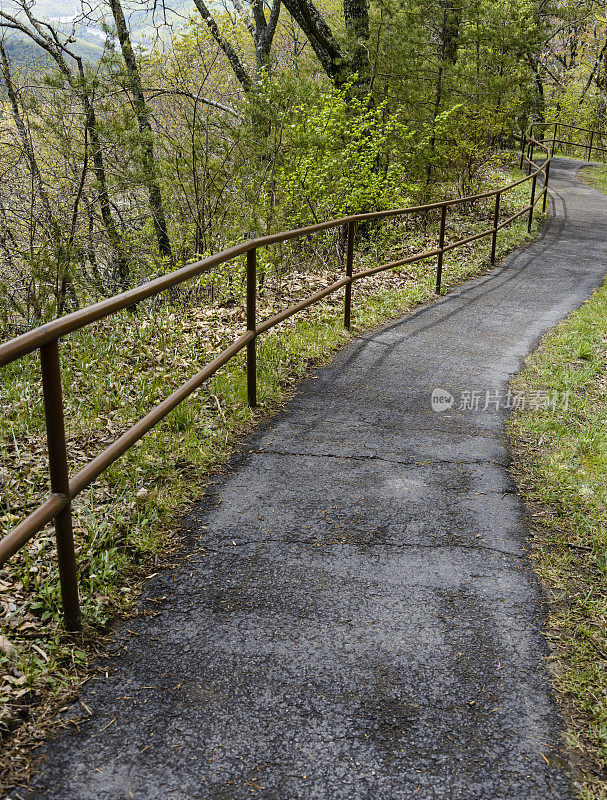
{"points": [[27, 59], [144, 19], [145, 24], [24, 54]]}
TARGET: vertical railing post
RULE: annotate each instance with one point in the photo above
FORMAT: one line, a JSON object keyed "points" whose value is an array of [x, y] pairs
{"points": [[590, 145], [57, 458], [533, 183], [252, 326], [556, 125], [496, 217], [546, 178], [441, 244], [523, 149], [349, 267], [530, 157]]}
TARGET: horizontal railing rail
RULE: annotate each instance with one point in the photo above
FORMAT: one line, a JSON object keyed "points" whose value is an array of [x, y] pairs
{"points": [[589, 146], [46, 339]]}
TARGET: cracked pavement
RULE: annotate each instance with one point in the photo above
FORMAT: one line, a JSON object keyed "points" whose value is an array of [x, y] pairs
{"points": [[353, 615]]}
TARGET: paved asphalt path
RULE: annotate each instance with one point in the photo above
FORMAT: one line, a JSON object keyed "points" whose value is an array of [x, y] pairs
{"points": [[355, 615]]}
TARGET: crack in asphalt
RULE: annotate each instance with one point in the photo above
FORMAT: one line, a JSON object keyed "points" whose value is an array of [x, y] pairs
{"points": [[376, 545], [427, 460]]}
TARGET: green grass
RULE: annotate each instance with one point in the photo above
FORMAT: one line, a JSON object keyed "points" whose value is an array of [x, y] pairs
{"points": [[561, 467], [595, 177], [116, 371]]}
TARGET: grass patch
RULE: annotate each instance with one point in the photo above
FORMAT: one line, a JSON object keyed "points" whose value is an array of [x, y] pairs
{"points": [[561, 467], [116, 371], [595, 176]]}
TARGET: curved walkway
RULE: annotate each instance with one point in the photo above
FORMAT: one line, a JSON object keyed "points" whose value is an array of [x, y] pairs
{"points": [[355, 615]]}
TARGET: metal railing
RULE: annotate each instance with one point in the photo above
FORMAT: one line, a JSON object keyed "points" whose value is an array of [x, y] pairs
{"points": [[46, 339], [588, 146]]}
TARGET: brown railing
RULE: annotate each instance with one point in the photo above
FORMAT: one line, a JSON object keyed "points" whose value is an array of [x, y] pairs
{"points": [[553, 140], [46, 339]]}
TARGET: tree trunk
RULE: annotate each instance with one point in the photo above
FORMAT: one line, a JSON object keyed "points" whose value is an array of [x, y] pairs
{"points": [[64, 284], [47, 38], [27, 146], [448, 47], [145, 131], [356, 15], [332, 58], [239, 69], [122, 267]]}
